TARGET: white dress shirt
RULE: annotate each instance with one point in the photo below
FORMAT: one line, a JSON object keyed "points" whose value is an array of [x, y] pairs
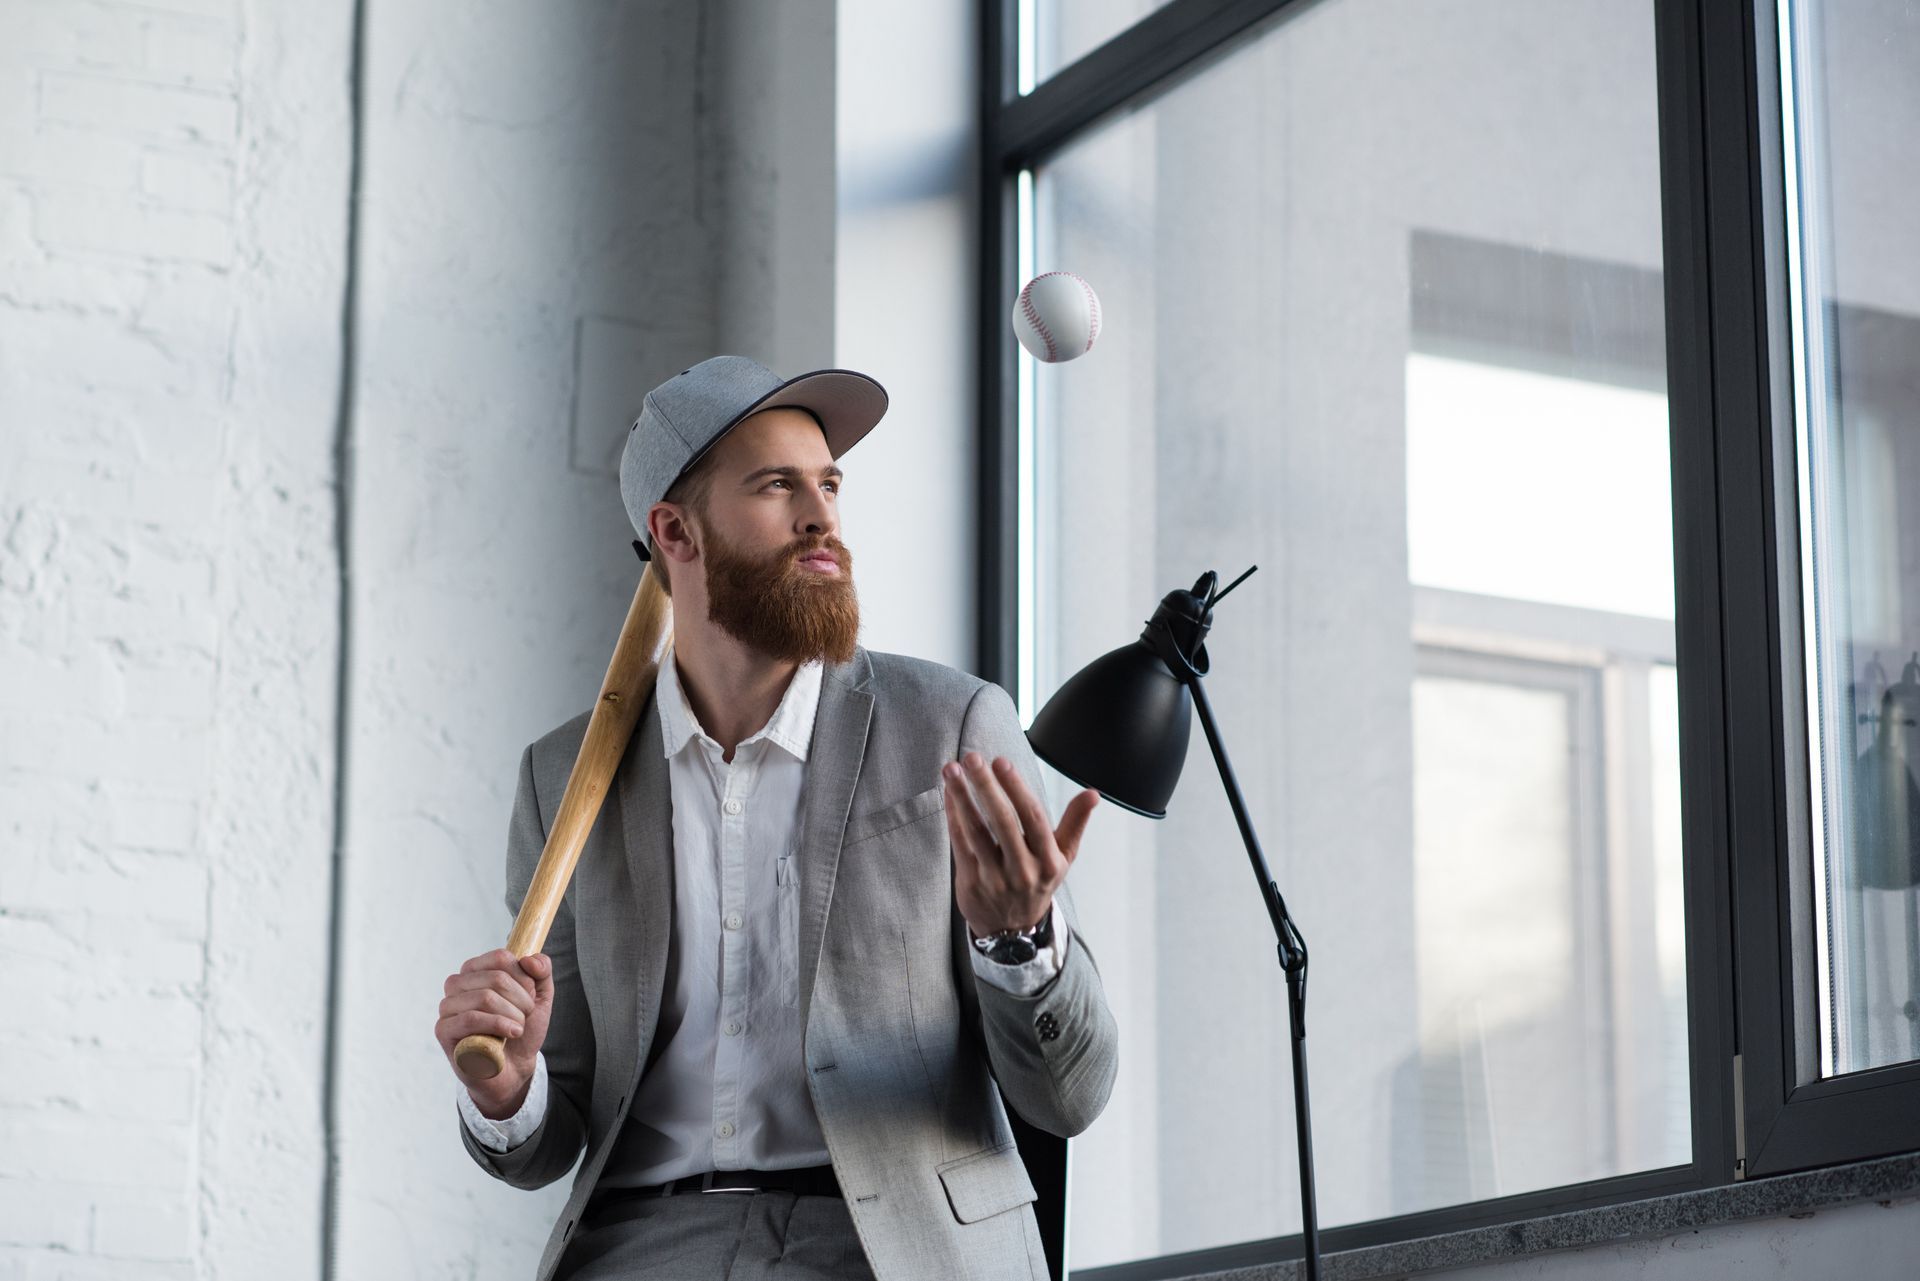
{"points": [[726, 1089]]}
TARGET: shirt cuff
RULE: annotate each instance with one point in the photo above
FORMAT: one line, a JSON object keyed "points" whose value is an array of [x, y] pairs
{"points": [[504, 1136], [1028, 977]]}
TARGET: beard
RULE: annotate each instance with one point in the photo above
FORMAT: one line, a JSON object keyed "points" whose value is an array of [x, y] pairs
{"points": [[770, 604]]}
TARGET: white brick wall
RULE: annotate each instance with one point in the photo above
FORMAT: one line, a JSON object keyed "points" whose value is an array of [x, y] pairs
{"points": [[173, 229], [172, 204]]}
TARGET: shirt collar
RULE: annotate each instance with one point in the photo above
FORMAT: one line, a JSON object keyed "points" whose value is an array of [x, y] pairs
{"points": [[790, 728]]}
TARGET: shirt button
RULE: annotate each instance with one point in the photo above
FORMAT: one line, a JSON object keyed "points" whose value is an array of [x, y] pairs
{"points": [[733, 807], [724, 1129], [734, 920], [733, 1029]]}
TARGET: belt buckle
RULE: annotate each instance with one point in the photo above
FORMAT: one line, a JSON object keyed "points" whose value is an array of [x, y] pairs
{"points": [[706, 1184]]}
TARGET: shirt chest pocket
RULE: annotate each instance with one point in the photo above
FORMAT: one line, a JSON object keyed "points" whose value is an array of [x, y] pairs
{"points": [[786, 918]]}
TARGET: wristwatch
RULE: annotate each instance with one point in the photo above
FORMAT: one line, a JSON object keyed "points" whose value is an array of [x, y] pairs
{"points": [[1017, 946]]}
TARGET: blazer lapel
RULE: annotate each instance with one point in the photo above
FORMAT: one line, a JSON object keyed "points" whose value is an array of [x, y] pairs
{"points": [[646, 822], [834, 758]]}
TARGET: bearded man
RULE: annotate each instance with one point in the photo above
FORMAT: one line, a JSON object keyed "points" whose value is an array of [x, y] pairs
{"points": [[819, 940]]}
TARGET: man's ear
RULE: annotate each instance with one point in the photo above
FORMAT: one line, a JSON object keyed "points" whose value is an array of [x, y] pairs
{"points": [[673, 534]]}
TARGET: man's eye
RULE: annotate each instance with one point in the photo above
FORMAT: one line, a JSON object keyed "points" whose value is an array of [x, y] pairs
{"points": [[832, 485]]}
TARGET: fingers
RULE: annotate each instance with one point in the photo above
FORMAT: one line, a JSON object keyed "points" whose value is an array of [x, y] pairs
{"points": [[989, 796], [485, 1000], [978, 880], [453, 1028], [1073, 823], [498, 959], [518, 991], [539, 967], [1032, 815], [969, 832]]}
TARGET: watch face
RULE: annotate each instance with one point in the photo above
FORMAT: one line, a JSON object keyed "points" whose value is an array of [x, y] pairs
{"points": [[1013, 951]]}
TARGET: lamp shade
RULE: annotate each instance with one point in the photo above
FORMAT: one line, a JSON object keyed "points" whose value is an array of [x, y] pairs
{"points": [[1120, 725]]}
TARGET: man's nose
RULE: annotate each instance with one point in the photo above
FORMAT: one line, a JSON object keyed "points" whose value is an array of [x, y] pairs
{"points": [[817, 516]]}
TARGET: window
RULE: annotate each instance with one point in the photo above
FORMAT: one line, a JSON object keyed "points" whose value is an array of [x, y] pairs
{"points": [[1569, 430], [1858, 449], [1836, 1063], [1059, 32]]}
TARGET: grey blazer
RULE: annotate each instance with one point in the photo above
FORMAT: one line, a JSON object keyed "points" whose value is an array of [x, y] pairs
{"points": [[910, 1061]]}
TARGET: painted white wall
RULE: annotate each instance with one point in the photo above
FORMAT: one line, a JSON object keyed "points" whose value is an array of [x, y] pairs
{"points": [[561, 206], [172, 218]]}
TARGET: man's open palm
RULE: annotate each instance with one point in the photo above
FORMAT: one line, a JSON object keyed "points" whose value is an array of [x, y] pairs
{"points": [[1008, 858]]}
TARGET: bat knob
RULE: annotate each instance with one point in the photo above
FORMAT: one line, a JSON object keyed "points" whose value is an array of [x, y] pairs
{"points": [[480, 1057]]}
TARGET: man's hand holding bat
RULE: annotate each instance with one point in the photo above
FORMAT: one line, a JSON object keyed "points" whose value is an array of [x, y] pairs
{"points": [[498, 994]]}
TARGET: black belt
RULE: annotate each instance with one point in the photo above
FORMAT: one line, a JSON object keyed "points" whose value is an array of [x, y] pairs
{"points": [[812, 1180]]}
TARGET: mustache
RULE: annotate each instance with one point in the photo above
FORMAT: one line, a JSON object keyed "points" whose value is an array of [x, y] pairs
{"points": [[801, 548]]}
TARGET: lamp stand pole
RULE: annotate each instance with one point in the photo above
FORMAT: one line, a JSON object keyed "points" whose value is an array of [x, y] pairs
{"points": [[1293, 962], [1140, 740]]}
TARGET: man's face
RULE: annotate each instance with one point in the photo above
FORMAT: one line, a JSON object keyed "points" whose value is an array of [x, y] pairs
{"points": [[778, 577]]}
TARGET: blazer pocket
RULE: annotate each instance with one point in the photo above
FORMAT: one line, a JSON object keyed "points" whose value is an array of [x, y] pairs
{"points": [[899, 814], [986, 1183]]}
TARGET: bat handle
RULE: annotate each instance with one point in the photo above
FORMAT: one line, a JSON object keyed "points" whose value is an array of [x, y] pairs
{"points": [[480, 1056], [623, 692]]}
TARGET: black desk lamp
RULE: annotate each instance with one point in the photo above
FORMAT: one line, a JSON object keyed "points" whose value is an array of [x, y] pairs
{"points": [[1121, 725]]}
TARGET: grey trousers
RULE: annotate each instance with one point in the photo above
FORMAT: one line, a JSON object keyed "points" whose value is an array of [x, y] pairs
{"points": [[720, 1236]]}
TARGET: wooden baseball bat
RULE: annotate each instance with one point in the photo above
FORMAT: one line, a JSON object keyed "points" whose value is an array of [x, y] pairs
{"points": [[622, 694]]}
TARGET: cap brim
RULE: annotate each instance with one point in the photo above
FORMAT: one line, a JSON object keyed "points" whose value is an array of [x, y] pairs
{"points": [[848, 405]]}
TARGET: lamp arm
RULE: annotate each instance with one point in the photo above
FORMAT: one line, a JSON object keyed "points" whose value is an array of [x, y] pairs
{"points": [[1293, 947], [1293, 960]]}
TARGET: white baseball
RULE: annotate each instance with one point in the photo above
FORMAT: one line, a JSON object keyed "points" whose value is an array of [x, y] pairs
{"points": [[1057, 317]]}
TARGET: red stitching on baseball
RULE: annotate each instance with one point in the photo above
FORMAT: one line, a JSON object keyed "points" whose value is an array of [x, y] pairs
{"points": [[1032, 314]]}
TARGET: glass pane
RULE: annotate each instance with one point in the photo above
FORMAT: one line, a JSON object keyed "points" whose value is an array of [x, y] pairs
{"points": [[1063, 31], [1383, 314], [1498, 948], [1853, 109]]}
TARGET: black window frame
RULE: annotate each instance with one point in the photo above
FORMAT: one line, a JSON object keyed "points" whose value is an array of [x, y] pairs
{"points": [[1721, 198], [1790, 1124]]}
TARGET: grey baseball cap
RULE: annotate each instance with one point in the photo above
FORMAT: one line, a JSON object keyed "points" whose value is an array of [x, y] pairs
{"points": [[684, 417]]}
